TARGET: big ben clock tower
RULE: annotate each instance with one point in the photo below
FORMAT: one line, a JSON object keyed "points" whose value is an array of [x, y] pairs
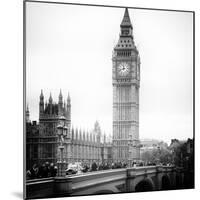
{"points": [[126, 83]]}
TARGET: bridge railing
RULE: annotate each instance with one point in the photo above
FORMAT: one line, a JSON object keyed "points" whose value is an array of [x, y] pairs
{"points": [[66, 186], [94, 179]]}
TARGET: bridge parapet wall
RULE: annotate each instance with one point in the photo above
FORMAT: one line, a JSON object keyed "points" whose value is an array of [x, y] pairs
{"points": [[94, 182], [140, 171], [151, 176], [108, 181], [139, 174]]}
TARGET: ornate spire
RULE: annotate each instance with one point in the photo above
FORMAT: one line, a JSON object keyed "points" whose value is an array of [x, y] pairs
{"points": [[126, 26], [41, 103], [50, 99], [126, 41], [76, 135], [68, 99], [60, 98], [87, 136], [27, 114], [90, 136], [80, 134], [41, 96], [126, 20], [68, 107], [94, 138], [72, 132], [84, 135], [60, 95]]}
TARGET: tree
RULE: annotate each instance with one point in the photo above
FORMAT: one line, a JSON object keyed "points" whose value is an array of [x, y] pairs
{"points": [[157, 155]]}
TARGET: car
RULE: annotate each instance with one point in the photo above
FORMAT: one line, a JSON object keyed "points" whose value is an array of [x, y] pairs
{"points": [[70, 171], [74, 168]]}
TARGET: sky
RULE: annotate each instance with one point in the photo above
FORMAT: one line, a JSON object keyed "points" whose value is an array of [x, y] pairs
{"points": [[69, 47]]}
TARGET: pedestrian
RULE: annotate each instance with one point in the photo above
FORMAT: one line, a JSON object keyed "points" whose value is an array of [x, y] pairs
{"points": [[44, 171], [41, 171], [113, 165], [52, 171], [34, 171], [28, 174], [101, 166], [94, 166]]}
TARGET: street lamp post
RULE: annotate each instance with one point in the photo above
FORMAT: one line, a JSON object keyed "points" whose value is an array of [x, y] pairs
{"points": [[173, 157], [129, 153], [159, 154], [62, 131]]}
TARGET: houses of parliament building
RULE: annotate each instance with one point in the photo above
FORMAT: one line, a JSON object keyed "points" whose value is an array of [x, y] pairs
{"points": [[42, 140]]}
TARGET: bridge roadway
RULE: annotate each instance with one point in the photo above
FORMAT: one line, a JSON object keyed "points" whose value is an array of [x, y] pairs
{"points": [[135, 179]]}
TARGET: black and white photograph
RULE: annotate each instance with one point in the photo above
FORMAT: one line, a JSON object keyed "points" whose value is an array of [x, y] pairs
{"points": [[108, 99]]}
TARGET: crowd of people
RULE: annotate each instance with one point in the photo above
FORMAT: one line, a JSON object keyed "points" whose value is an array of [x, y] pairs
{"points": [[42, 171], [50, 169], [103, 166]]}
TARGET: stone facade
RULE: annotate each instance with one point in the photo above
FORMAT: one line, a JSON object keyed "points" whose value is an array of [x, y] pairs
{"points": [[81, 146], [90, 146], [32, 141], [126, 83], [50, 115]]}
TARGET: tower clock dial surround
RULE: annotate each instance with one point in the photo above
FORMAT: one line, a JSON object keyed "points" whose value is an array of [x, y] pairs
{"points": [[123, 69]]}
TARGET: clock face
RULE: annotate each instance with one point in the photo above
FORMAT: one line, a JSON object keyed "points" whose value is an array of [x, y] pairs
{"points": [[123, 69]]}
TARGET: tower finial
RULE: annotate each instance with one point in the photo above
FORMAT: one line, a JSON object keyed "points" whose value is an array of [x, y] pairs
{"points": [[68, 99], [27, 114], [50, 99], [126, 19], [60, 98], [60, 95], [41, 94], [41, 103]]}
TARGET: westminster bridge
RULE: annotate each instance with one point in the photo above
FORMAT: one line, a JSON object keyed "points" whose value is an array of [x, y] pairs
{"points": [[137, 179]]}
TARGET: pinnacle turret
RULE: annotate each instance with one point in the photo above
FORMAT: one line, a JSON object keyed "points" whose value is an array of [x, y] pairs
{"points": [[41, 95], [60, 98], [27, 114], [126, 26], [50, 99], [68, 106], [126, 20], [68, 99], [61, 110], [41, 103], [126, 42]]}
